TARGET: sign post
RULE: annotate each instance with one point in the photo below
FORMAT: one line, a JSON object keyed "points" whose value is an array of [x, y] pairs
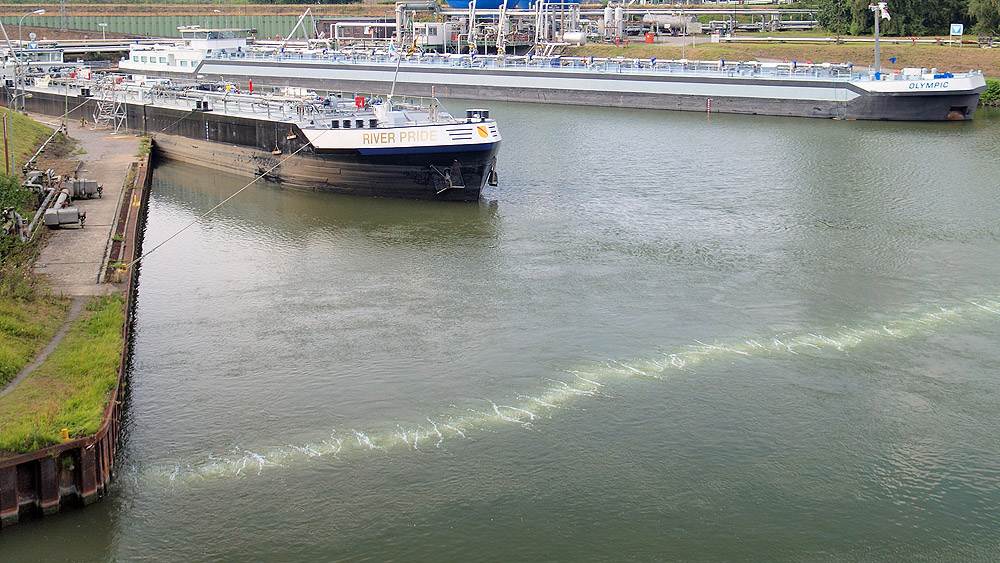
{"points": [[957, 29]]}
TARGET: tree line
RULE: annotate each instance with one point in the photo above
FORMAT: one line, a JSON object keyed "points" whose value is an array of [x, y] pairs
{"points": [[909, 17]]}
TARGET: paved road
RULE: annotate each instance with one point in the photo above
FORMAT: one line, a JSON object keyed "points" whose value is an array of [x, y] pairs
{"points": [[73, 257]]}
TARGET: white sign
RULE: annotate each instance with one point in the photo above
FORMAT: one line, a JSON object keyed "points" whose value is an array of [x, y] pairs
{"points": [[957, 28]]}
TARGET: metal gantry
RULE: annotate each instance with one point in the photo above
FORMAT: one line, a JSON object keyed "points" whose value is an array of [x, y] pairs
{"points": [[110, 111]]}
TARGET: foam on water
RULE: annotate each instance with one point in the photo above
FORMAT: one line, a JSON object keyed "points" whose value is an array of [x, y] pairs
{"points": [[525, 410]]}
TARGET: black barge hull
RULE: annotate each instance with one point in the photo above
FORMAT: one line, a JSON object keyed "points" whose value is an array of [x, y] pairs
{"points": [[281, 153]]}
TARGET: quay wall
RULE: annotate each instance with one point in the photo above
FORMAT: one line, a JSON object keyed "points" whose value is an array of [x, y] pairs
{"points": [[77, 472]]}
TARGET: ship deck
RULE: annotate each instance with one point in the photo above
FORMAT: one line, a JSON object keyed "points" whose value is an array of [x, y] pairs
{"points": [[278, 107], [784, 70]]}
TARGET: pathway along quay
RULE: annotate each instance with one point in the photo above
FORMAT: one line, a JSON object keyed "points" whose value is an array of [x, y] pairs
{"points": [[79, 262]]}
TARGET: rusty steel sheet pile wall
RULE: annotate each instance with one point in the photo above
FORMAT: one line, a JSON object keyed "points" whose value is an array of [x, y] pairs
{"points": [[78, 472]]}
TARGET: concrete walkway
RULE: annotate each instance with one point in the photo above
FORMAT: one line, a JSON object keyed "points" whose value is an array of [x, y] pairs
{"points": [[73, 257]]}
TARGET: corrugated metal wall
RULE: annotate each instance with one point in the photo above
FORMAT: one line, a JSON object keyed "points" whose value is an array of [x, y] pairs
{"points": [[157, 26]]}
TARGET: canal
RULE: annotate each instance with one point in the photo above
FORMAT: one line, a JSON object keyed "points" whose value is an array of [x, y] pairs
{"points": [[663, 336]]}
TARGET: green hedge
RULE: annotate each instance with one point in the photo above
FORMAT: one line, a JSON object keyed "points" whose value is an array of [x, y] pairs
{"points": [[991, 97]]}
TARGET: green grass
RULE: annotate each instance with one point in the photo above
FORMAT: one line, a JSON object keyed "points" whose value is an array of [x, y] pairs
{"points": [[23, 136], [145, 145], [29, 316], [70, 390], [25, 328], [991, 97]]}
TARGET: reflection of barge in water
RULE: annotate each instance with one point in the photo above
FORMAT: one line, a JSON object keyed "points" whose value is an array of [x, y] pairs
{"points": [[363, 146], [293, 215]]}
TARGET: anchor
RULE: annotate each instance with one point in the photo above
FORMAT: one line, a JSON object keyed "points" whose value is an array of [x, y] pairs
{"points": [[492, 178], [449, 178]]}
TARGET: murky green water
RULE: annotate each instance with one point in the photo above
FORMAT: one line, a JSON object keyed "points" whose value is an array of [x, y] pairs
{"points": [[661, 338]]}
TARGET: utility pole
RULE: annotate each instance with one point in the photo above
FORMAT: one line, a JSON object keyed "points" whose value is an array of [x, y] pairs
{"points": [[6, 151], [880, 12]]}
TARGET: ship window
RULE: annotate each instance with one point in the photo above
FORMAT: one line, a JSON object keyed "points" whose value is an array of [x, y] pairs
{"points": [[184, 63], [135, 58], [143, 59], [347, 124], [163, 59], [373, 123], [359, 123], [335, 124]]}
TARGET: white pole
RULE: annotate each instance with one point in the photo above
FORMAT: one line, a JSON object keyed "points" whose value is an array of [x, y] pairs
{"points": [[877, 9]]}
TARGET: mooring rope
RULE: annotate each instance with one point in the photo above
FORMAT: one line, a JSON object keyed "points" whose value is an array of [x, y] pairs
{"points": [[221, 203], [217, 206], [182, 118]]}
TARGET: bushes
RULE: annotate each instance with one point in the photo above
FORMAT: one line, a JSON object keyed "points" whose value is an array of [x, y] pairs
{"points": [[13, 194], [16, 257], [991, 97]]}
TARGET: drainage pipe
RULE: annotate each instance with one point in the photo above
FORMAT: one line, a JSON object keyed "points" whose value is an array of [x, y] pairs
{"points": [[41, 209], [27, 165]]}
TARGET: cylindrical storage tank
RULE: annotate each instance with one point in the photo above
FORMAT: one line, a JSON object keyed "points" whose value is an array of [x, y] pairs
{"points": [[666, 21], [575, 37], [620, 20]]}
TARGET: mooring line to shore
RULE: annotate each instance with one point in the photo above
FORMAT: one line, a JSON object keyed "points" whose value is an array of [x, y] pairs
{"points": [[223, 202], [217, 206], [593, 381]]}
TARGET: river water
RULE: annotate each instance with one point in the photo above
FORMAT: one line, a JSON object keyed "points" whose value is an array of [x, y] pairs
{"points": [[662, 337]]}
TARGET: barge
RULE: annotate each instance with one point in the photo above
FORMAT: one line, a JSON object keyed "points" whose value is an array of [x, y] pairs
{"points": [[371, 146], [793, 89], [778, 89]]}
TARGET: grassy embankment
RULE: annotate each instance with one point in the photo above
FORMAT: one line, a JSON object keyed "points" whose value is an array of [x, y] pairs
{"points": [[70, 389], [28, 315]]}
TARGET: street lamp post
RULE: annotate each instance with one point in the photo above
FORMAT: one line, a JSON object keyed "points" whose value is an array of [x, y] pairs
{"points": [[37, 12], [104, 30], [20, 47]]}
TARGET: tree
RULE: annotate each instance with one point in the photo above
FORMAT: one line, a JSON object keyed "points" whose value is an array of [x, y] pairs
{"points": [[909, 17], [987, 15], [834, 15]]}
